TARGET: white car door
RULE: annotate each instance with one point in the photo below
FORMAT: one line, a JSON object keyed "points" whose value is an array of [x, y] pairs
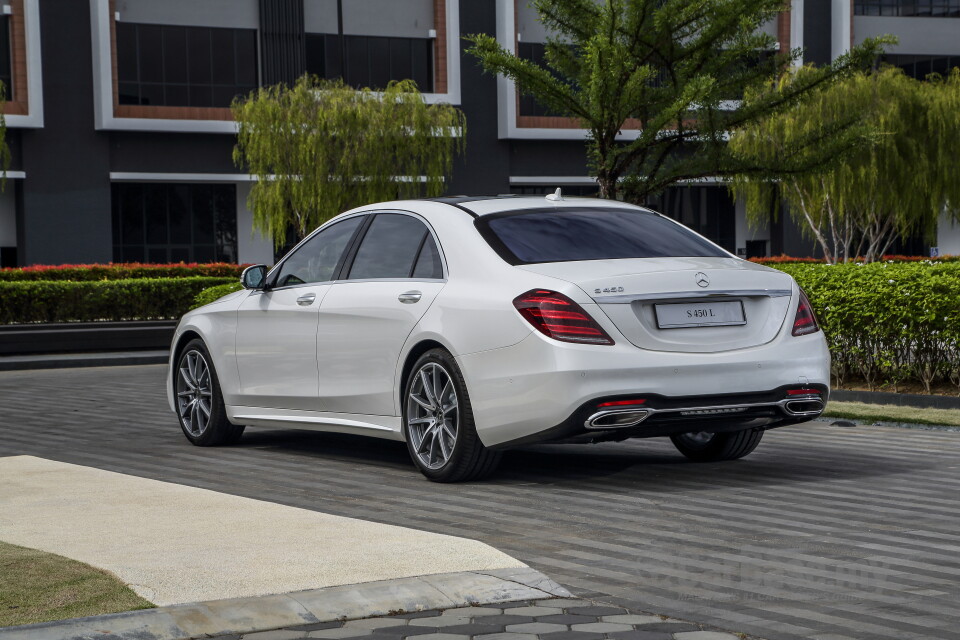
{"points": [[392, 279], [277, 328]]}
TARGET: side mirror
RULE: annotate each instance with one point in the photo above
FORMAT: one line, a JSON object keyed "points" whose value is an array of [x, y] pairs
{"points": [[254, 277]]}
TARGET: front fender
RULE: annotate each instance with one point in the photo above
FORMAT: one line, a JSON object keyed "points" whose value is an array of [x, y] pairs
{"points": [[216, 325]]}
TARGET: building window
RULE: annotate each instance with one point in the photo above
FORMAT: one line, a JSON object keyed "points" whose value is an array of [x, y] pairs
{"points": [[905, 8], [184, 66], [371, 61], [6, 75], [535, 52], [155, 222], [920, 67]]}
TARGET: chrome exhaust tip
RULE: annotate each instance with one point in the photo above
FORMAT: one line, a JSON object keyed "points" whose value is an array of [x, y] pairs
{"points": [[804, 407], [616, 418]]}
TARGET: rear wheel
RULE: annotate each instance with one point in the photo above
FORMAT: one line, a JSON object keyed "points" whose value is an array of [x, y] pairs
{"points": [[701, 446], [199, 402], [438, 422]]}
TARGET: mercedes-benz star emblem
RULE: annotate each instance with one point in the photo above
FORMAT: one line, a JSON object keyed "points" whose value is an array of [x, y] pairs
{"points": [[702, 279]]}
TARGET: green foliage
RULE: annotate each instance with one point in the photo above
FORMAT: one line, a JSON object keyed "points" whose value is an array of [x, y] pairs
{"points": [[781, 259], [120, 271], [214, 293], [887, 322], [897, 179], [321, 147], [672, 66], [69, 301]]}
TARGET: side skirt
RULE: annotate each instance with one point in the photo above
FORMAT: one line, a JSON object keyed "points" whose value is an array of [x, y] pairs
{"points": [[387, 427]]}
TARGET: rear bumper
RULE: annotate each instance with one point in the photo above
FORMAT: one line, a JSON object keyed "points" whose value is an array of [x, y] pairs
{"points": [[661, 416], [540, 390]]}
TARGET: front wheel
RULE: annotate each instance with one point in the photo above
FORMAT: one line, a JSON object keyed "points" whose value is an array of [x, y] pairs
{"points": [[701, 446], [200, 409], [438, 422]]}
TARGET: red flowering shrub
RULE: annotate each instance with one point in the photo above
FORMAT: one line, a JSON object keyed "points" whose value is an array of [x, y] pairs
{"points": [[121, 271]]}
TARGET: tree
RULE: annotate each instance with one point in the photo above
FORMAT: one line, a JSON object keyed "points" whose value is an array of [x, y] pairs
{"points": [[896, 182], [674, 68], [320, 147]]}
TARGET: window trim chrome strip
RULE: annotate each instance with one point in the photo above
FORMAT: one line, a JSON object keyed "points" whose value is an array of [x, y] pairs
{"points": [[685, 295]]}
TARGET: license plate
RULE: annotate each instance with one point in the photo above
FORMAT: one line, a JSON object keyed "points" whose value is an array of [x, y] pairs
{"points": [[700, 314]]}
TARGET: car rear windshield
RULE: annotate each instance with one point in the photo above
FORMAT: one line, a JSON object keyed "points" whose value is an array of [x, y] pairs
{"points": [[551, 235]]}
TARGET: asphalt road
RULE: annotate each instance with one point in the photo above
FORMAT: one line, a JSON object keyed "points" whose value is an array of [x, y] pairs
{"points": [[823, 532]]}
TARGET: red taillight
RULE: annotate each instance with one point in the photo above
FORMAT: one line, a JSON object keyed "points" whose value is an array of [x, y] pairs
{"points": [[804, 322], [557, 316], [621, 403], [802, 392]]}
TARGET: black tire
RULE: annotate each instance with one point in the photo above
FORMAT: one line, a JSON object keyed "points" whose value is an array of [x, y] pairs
{"points": [[192, 400], [715, 447], [469, 459]]}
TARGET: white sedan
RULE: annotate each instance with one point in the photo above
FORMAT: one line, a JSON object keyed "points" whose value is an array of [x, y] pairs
{"points": [[466, 326]]}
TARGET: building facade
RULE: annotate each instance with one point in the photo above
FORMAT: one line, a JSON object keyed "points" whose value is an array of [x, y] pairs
{"points": [[121, 137]]}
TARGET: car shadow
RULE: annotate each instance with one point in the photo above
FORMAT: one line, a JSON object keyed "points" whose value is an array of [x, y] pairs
{"points": [[650, 465]]}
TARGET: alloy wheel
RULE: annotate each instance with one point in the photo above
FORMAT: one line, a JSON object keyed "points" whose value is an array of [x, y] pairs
{"points": [[433, 415], [194, 392]]}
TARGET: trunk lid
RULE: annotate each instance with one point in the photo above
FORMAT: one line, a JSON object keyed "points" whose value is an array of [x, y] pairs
{"points": [[683, 304]]}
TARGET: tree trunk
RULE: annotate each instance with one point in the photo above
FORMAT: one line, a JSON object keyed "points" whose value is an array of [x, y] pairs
{"points": [[607, 182], [817, 232]]}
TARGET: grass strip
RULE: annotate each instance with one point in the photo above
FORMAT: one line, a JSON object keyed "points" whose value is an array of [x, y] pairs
{"points": [[36, 586], [892, 413]]}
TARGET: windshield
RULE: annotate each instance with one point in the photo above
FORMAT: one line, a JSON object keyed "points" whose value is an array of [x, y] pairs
{"points": [[564, 235]]}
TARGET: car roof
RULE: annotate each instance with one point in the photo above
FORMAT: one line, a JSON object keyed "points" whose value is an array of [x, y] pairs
{"points": [[486, 205]]}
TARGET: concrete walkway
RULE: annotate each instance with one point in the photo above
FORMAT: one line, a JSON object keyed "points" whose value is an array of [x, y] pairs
{"points": [[176, 544]]}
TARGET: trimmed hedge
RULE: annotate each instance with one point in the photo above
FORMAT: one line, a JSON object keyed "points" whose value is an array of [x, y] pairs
{"points": [[132, 299], [785, 259], [214, 293], [121, 271], [887, 322]]}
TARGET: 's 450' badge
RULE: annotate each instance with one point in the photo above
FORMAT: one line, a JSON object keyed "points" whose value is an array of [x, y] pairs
{"points": [[609, 290]]}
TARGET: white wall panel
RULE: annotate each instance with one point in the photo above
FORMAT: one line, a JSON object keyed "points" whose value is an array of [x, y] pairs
{"points": [[237, 14]]}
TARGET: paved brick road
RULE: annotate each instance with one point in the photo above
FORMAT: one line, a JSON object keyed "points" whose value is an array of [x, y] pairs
{"points": [[823, 532], [555, 619]]}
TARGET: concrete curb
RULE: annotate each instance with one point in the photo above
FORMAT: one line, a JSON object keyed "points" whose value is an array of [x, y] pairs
{"points": [[246, 615], [73, 360], [898, 399]]}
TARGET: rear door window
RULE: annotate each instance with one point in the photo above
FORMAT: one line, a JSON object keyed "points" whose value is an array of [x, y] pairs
{"points": [[428, 266], [393, 247], [550, 235]]}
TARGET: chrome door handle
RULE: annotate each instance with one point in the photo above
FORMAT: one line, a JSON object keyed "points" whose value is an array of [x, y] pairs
{"points": [[409, 297], [306, 299]]}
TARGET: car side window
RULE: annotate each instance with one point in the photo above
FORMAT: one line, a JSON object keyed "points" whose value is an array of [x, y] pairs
{"points": [[317, 259], [428, 264], [390, 247]]}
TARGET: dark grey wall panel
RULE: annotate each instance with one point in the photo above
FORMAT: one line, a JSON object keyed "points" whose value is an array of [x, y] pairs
{"points": [[15, 145], [172, 152], [485, 169], [66, 195], [795, 242], [282, 43], [548, 158]]}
